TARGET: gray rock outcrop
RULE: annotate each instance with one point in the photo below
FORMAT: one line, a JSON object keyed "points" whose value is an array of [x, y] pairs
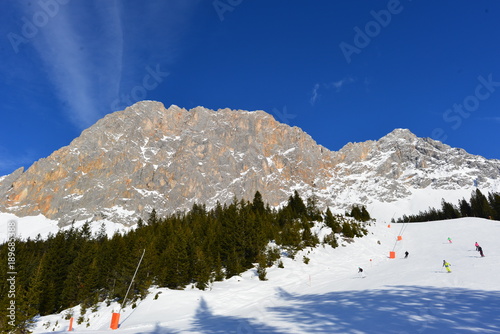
{"points": [[147, 156]]}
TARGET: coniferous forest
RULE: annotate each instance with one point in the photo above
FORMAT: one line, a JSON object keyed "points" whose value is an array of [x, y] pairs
{"points": [[198, 247], [478, 206]]}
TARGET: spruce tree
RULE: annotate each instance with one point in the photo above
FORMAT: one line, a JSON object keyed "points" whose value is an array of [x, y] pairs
{"points": [[365, 216], [347, 230], [465, 208], [494, 201], [261, 266], [479, 205], [258, 204], [448, 210]]}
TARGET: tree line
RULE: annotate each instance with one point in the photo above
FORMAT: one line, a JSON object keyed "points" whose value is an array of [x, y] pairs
{"points": [[478, 205], [74, 267]]}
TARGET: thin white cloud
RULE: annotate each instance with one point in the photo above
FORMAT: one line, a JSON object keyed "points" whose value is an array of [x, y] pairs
{"points": [[83, 66], [315, 94], [336, 85], [94, 52], [341, 83]]}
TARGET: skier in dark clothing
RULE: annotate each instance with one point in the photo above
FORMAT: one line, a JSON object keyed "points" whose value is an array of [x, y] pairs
{"points": [[480, 249], [406, 254]]}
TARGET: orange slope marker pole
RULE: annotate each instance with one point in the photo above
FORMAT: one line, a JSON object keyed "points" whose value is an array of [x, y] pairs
{"points": [[115, 320]]}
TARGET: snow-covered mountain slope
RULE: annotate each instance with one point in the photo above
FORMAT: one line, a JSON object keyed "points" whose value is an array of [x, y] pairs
{"points": [[413, 295], [34, 226], [147, 156]]}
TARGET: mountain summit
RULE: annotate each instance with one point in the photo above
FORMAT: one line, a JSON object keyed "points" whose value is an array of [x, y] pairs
{"points": [[147, 156]]}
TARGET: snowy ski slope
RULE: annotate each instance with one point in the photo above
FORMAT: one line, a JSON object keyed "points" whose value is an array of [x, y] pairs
{"points": [[413, 295]]}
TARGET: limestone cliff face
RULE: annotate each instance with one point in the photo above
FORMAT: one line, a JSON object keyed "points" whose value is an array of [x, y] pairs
{"points": [[147, 156], [397, 164]]}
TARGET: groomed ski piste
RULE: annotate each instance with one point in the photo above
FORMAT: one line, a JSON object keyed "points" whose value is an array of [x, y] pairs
{"points": [[328, 295]]}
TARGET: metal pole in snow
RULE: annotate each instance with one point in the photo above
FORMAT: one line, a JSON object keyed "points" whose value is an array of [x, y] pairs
{"points": [[133, 277]]}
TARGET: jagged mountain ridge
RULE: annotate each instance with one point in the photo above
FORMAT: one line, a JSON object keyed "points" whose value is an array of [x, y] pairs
{"points": [[147, 156]]}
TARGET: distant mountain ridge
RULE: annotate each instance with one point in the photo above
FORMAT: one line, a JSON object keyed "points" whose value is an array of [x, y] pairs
{"points": [[147, 156]]}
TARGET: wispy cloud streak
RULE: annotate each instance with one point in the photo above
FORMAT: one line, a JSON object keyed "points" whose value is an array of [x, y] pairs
{"points": [[82, 53], [93, 51], [314, 95], [335, 85]]}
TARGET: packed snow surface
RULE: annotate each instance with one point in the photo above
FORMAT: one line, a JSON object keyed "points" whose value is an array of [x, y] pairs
{"points": [[328, 295], [34, 226]]}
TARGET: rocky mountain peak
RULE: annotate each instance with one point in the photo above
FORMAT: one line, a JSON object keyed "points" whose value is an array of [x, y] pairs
{"points": [[148, 156]]}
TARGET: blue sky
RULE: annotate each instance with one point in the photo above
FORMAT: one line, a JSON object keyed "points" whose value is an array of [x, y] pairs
{"points": [[343, 71]]}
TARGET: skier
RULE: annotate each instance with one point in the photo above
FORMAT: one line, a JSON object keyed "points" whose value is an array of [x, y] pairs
{"points": [[480, 249], [360, 271], [406, 254], [447, 266], [449, 240], [477, 246]]}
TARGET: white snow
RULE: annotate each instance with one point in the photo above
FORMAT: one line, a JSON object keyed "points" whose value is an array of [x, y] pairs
{"points": [[73, 197], [413, 295], [419, 200], [26, 227], [31, 226]]}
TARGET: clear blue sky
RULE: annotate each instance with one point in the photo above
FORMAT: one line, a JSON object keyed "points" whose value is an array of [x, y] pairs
{"points": [[343, 71]]}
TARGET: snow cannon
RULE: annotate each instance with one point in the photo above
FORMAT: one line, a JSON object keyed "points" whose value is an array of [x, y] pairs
{"points": [[115, 320]]}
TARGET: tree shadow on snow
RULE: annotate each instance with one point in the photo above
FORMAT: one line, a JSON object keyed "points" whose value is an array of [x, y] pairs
{"points": [[207, 322], [161, 330], [398, 309]]}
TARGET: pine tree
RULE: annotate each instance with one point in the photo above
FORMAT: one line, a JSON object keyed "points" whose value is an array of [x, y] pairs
{"points": [[448, 210], [297, 205], [261, 266], [25, 313], [465, 208], [347, 230], [332, 222], [218, 273], [77, 285], [494, 201], [258, 204], [202, 269], [331, 240], [365, 216], [233, 264], [153, 219], [355, 213], [313, 213], [479, 205]]}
